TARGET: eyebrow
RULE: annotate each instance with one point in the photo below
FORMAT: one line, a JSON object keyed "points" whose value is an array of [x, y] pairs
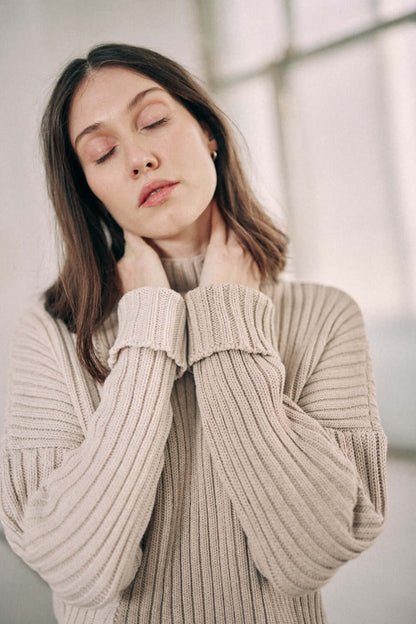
{"points": [[136, 100]]}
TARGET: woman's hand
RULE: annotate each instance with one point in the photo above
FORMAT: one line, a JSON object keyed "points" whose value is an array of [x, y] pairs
{"points": [[140, 265], [226, 261]]}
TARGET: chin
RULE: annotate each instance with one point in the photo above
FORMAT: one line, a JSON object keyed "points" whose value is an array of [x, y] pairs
{"points": [[174, 224]]}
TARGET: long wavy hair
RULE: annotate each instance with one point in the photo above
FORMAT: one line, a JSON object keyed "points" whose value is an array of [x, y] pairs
{"points": [[88, 286]]}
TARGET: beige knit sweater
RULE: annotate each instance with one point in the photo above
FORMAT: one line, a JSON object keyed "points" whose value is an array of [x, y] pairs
{"points": [[230, 463]]}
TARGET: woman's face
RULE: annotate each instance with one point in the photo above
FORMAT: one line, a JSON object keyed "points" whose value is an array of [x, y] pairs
{"points": [[143, 154]]}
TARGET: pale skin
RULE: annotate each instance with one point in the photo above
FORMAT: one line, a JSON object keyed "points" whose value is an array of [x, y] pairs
{"points": [[226, 262], [128, 133]]}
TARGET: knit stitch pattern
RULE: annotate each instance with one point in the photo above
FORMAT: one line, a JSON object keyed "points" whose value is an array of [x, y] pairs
{"points": [[231, 462]]}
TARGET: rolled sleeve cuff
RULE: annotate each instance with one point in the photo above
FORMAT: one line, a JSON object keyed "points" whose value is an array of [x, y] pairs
{"points": [[154, 318], [223, 317]]}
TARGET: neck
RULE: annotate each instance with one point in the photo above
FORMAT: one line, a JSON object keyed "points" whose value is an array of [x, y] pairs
{"points": [[179, 248], [190, 242], [183, 273]]}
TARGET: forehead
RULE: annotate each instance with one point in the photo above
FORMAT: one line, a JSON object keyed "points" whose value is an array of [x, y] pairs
{"points": [[106, 93]]}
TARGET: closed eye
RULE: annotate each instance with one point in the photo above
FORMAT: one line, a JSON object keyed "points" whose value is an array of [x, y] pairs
{"points": [[103, 158], [157, 123], [160, 122]]}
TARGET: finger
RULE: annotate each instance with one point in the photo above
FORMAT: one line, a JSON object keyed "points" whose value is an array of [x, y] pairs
{"points": [[218, 227], [133, 242]]}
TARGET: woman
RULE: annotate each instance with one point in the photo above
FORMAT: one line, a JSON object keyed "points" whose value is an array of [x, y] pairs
{"points": [[188, 438]]}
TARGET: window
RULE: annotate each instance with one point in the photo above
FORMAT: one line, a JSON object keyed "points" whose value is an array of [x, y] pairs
{"points": [[325, 95]]}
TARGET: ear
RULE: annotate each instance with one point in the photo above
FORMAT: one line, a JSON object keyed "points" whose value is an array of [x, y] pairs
{"points": [[211, 140]]}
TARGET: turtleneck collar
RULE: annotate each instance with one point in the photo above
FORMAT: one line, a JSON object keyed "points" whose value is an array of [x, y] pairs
{"points": [[183, 273]]}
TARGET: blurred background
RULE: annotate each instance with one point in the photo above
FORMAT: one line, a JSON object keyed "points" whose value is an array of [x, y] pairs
{"points": [[324, 94]]}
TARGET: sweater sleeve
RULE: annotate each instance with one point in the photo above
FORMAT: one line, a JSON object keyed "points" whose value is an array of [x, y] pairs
{"points": [[75, 504], [305, 477]]}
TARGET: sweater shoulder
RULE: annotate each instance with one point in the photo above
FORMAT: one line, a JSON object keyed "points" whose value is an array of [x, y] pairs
{"points": [[36, 325], [310, 291], [309, 315], [313, 299], [43, 366], [314, 322], [40, 338], [36, 316]]}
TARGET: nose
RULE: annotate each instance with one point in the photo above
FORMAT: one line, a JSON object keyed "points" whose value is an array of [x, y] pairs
{"points": [[141, 160], [148, 163]]}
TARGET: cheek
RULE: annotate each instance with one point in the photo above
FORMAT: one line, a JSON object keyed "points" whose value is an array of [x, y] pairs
{"points": [[197, 160], [101, 187], [189, 144]]}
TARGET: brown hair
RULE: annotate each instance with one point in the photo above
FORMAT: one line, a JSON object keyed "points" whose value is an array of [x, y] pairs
{"points": [[88, 287]]}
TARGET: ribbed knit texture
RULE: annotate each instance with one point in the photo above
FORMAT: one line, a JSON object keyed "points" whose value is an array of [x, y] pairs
{"points": [[230, 463]]}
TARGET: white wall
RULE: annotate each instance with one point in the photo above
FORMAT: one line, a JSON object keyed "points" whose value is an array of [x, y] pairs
{"points": [[347, 146], [37, 38]]}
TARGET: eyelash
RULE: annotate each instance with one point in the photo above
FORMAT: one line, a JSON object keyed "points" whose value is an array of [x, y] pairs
{"points": [[160, 122], [103, 158]]}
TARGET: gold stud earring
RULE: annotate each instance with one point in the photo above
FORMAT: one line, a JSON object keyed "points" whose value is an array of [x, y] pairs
{"points": [[214, 155]]}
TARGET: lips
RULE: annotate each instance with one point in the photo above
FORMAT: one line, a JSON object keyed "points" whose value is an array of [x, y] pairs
{"points": [[156, 191]]}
